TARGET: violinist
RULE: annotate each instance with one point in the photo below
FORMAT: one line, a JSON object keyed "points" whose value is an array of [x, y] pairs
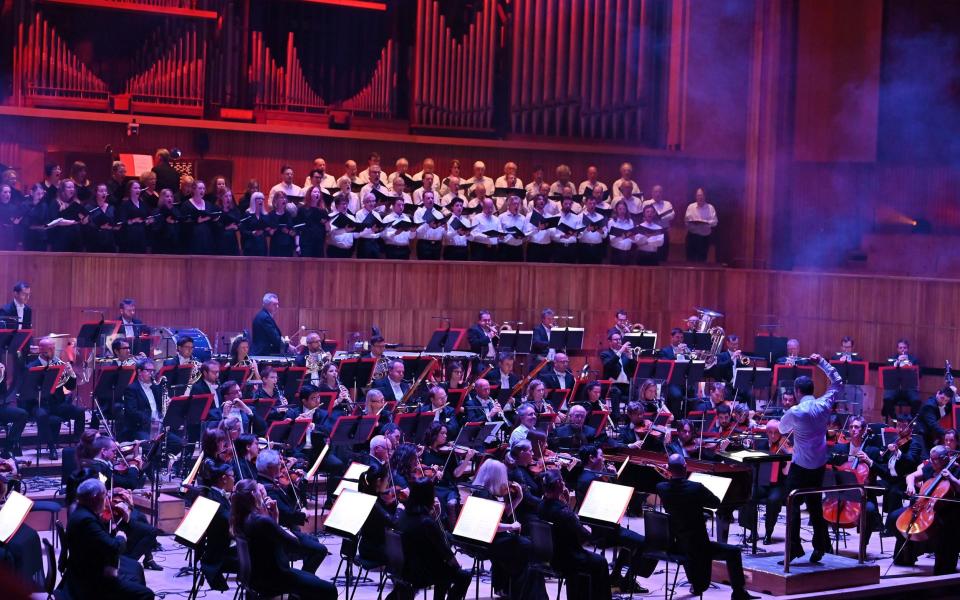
{"points": [[639, 431], [379, 455], [630, 544], [527, 422], [717, 397], [96, 567], [247, 448], [575, 433], [443, 413], [276, 482], [447, 465], [217, 557], [931, 412], [943, 538], [686, 443], [520, 463], [511, 575], [216, 445], [373, 537], [899, 459], [773, 493], [723, 427]]}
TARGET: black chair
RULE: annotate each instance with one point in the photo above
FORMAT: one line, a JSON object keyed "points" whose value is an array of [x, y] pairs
{"points": [[50, 581], [479, 554], [52, 508], [62, 536], [395, 562], [350, 558], [541, 540], [659, 544], [244, 591]]}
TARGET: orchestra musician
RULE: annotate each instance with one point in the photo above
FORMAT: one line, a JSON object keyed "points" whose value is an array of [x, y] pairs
{"points": [[793, 354], [771, 494], [483, 338], [209, 384], [393, 387], [557, 375], [47, 409], [441, 461], [131, 327], [638, 432], [376, 404], [266, 339], [95, 568], [540, 342], [934, 409], [686, 443], [526, 422], [858, 448], [444, 414], [729, 359], [574, 434], [808, 421], [619, 366], [373, 539], [246, 448], [902, 358], [685, 502], [16, 315], [240, 357], [847, 352], [899, 458], [143, 407], [291, 514], [481, 405], [312, 349], [255, 516], [503, 376], [217, 557], [943, 540], [520, 469]]}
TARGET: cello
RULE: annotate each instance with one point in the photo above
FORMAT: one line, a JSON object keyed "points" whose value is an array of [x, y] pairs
{"points": [[844, 513], [916, 522]]}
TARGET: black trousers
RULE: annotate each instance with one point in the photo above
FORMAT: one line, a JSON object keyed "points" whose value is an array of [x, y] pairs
{"points": [[591, 254], [429, 249], [447, 581], [396, 252], [807, 478], [542, 253], [664, 251], [482, 251], [731, 555], [511, 571], [648, 259], [621, 257], [455, 253], [697, 247], [587, 577], [565, 253], [367, 248], [16, 418], [508, 253], [335, 252]]}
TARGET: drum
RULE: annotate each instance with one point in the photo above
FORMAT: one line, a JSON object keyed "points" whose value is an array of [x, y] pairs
{"points": [[164, 342]]}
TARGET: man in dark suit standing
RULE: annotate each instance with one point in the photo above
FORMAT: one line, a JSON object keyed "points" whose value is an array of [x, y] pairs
{"points": [[131, 327], [94, 554], [16, 314], [167, 176], [482, 340], [267, 340], [540, 343], [684, 502]]}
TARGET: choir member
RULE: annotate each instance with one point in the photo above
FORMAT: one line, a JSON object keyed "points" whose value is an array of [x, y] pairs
{"points": [[592, 183], [535, 186], [165, 226], [516, 227], [428, 185], [318, 175], [565, 234], [540, 241], [78, 174], [196, 227], [133, 214], [67, 212], [10, 216], [651, 240], [509, 178], [253, 186], [664, 217], [148, 189], [280, 224], [227, 227], [625, 186], [591, 240], [455, 236], [185, 191], [431, 229], [312, 217], [101, 223], [479, 179], [402, 167], [563, 182], [701, 219], [484, 237], [368, 239], [621, 243], [117, 183], [396, 240], [286, 185], [35, 218], [373, 172], [253, 227]]}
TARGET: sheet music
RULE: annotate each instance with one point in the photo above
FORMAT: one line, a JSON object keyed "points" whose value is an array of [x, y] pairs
{"points": [[196, 521], [717, 485], [742, 455], [346, 486], [605, 501], [12, 515], [350, 512], [355, 470], [316, 465], [479, 519]]}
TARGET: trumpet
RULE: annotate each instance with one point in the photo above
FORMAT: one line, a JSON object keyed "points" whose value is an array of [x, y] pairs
{"points": [[902, 361]]}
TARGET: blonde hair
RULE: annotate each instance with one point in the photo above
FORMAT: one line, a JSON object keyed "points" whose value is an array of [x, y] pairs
{"points": [[492, 476]]}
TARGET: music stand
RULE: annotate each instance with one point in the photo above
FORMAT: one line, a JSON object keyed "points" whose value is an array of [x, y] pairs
{"points": [[518, 341], [545, 422], [747, 379], [770, 347], [557, 398], [356, 373], [353, 430], [192, 531], [113, 380], [187, 411], [92, 332], [855, 375], [414, 426], [12, 515], [292, 380], [474, 434], [178, 376], [790, 373], [899, 379], [565, 339], [684, 374], [645, 340], [657, 369], [238, 374], [41, 382], [445, 340], [456, 397], [597, 419], [697, 341], [288, 432]]}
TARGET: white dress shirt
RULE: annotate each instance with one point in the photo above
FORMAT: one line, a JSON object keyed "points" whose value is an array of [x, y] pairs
{"points": [[148, 392], [663, 208], [436, 180], [339, 238], [592, 237], [367, 234], [808, 421], [617, 194], [452, 237], [622, 243], [364, 177], [485, 223], [508, 220], [541, 237], [394, 237], [649, 243], [593, 185], [570, 220], [129, 330], [501, 182], [425, 231], [487, 183], [290, 190], [698, 213], [327, 181]]}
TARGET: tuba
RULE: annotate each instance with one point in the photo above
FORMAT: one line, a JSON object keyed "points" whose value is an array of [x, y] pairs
{"points": [[716, 346]]}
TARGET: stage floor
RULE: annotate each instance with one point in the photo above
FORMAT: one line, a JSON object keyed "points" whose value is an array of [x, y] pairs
{"points": [[899, 582]]}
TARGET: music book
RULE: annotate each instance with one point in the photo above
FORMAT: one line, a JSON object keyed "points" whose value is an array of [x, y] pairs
{"points": [[197, 520], [349, 512], [346, 486], [606, 502], [619, 232], [718, 486], [648, 231], [13, 514], [479, 519], [193, 473], [342, 221], [588, 222], [548, 222], [457, 225], [402, 225], [698, 222], [568, 229], [372, 220], [494, 233], [316, 464]]}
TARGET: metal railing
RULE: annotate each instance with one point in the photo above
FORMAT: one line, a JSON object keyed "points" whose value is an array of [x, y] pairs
{"points": [[861, 554]]}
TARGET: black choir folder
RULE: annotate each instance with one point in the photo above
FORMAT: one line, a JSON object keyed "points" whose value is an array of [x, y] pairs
{"points": [[478, 520], [605, 502], [349, 513]]}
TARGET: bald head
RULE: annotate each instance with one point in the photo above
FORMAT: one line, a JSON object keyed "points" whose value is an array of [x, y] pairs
{"points": [[677, 465]]}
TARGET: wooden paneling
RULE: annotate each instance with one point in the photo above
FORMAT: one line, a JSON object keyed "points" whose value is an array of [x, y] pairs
{"points": [[223, 294]]}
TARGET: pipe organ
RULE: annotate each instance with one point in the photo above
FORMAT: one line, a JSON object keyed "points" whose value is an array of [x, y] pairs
{"points": [[173, 76], [377, 97], [281, 89]]}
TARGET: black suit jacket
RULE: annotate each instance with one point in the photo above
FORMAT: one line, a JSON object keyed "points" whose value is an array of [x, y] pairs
{"points": [[271, 572], [91, 549], [10, 310], [167, 177], [929, 421], [217, 541], [685, 502], [425, 548], [551, 379], [566, 437], [613, 364], [383, 384], [28, 398], [265, 335], [478, 340], [540, 343], [668, 353], [568, 534], [136, 414]]}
